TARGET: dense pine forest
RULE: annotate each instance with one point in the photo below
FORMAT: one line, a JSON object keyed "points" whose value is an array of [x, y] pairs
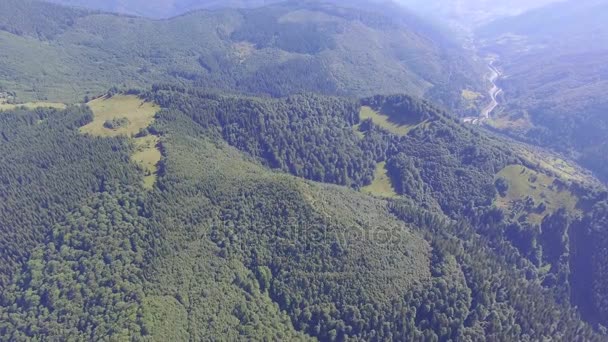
{"points": [[225, 245], [298, 172]]}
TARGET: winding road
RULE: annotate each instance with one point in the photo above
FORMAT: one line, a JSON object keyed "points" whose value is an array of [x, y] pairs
{"points": [[493, 92]]}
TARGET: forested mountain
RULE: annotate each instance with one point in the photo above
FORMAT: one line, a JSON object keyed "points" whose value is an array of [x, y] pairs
{"points": [[556, 76], [224, 246], [297, 171], [161, 8], [277, 50]]}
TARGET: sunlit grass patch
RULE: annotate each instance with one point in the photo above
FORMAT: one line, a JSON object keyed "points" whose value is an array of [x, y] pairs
{"points": [[137, 112], [384, 121], [147, 155], [32, 105], [533, 194], [382, 185], [554, 164], [127, 115], [470, 95], [505, 121]]}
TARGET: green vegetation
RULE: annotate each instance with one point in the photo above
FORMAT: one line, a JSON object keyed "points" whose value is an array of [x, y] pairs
{"points": [[554, 164], [47, 168], [31, 105], [588, 276], [470, 95], [137, 116], [555, 89], [127, 115], [161, 8], [510, 122], [209, 210], [384, 121], [381, 185], [273, 51], [116, 123], [223, 246], [148, 156], [532, 195], [472, 101]]}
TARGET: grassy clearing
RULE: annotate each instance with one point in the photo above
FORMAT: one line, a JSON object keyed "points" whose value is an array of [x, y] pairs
{"points": [[505, 121], [385, 121], [32, 105], [381, 186], [527, 185], [140, 115], [357, 130], [470, 95], [556, 165], [147, 157]]}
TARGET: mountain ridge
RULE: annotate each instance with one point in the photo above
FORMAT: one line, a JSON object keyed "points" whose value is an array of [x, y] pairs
{"points": [[299, 171], [337, 51]]}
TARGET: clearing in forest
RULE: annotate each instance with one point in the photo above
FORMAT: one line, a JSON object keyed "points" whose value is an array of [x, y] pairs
{"points": [[532, 195], [470, 95], [127, 115], [31, 105], [138, 114], [382, 185], [555, 165], [518, 122], [147, 156], [386, 122]]}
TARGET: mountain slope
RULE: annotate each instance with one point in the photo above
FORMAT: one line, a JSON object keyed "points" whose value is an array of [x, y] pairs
{"points": [[185, 203], [554, 60], [282, 49], [224, 246], [161, 8]]}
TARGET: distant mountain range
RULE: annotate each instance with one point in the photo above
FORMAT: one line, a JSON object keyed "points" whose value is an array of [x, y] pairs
{"points": [[161, 8], [554, 59], [283, 49], [291, 172]]}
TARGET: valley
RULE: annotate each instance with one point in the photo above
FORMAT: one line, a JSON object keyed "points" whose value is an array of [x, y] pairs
{"points": [[495, 74], [485, 113], [295, 171]]}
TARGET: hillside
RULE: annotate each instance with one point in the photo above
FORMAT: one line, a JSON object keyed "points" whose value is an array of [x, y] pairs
{"points": [[294, 172], [224, 246], [279, 50], [161, 8], [553, 59]]}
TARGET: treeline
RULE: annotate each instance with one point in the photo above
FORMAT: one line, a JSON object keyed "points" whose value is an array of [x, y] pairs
{"points": [[440, 159], [223, 246], [307, 135], [314, 137], [477, 287], [46, 169]]}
